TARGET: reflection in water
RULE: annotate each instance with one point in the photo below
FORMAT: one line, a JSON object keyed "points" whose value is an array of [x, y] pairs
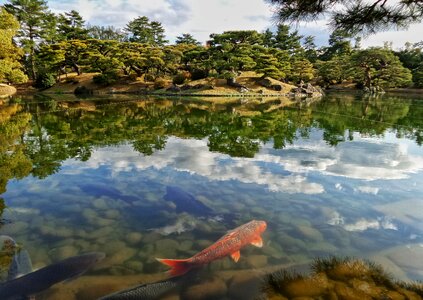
{"points": [[341, 176]]}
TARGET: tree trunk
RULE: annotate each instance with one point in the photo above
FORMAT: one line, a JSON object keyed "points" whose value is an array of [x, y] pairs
{"points": [[368, 77]]}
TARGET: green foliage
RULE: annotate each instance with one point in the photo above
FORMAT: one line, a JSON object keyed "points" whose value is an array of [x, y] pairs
{"points": [[352, 16], [379, 67], [31, 15], [45, 80], [160, 83], [179, 78], [71, 26], [288, 41], [106, 79], [10, 67], [271, 62], [418, 76], [186, 38], [141, 30], [334, 70], [301, 70], [198, 74]]}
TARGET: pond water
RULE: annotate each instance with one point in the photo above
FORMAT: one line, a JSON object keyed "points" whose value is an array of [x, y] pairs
{"points": [[342, 176]]}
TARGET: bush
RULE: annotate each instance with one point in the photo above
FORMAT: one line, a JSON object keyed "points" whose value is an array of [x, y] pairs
{"points": [[105, 79], [198, 74], [179, 78], [160, 83], [149, 78], [45, 80]]}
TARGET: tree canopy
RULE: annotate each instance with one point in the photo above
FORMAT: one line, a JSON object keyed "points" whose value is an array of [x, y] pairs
{"points": [[365, 17]]}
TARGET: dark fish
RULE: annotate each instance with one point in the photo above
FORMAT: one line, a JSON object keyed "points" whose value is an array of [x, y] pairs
{"points": [[102, 190], [185, 202], [40, 280], [15, 261], [21, 265], [148, 291]]}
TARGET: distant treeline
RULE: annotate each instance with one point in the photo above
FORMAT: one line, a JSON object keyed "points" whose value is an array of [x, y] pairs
{"points": [[40, 45]]}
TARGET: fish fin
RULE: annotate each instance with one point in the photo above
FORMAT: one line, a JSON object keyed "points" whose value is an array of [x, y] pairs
{"points": [[258, 242], [178, 266], [236, 255]]}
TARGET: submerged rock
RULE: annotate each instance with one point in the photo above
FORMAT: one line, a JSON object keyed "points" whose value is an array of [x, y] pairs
{"points": [[214, 288]]}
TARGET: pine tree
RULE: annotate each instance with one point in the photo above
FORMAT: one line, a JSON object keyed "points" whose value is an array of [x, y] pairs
{"points": [[30, 14], [186, 38], [71, 26]]}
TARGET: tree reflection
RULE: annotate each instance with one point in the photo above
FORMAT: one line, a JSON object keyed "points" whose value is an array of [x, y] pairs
{"points": [[37, 138]]}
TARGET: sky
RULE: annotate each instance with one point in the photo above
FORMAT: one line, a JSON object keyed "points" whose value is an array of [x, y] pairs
{"points": [[203, 17]]}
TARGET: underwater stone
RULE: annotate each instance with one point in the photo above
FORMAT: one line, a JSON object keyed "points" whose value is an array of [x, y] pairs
{"points": [[64, 232], [310, 233], [63, 252], [322, 248], [307, 287], [367, 288], [185, 245], [89, 214], [257, 261], [146, 251], [119, 271], [112, 214], [101, 232], [133, 237], [119, 257], [408, 257], [345, 292], [104, 222], [244, 286], [135, 265], [215, 288], [15, 228], [166, 247], [100, 203], [114, 246]]}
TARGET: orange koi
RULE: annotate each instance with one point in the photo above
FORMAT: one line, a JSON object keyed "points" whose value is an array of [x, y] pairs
{"points": [[229, 244]]}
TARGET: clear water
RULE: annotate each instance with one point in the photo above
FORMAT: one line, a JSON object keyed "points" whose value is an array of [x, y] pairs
{"points": [[342, 176]]}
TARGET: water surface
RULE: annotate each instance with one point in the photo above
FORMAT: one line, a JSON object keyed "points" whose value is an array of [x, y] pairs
{"points": [[341, 176]]}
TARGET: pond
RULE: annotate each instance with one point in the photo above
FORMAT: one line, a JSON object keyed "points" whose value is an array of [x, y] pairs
{"points": [[140, 178]]}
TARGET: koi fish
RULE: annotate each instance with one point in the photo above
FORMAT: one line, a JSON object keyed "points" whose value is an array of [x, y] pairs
{"points": [[147, 291], [229, 244], [42, 279]]}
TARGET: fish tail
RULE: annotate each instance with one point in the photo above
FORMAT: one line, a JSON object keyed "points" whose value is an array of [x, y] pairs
{"points": [[178, 266]]}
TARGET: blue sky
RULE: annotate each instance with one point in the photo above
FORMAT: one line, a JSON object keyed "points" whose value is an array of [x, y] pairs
{"points": [[203, 17]]}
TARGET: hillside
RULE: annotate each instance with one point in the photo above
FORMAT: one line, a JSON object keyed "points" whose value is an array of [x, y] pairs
{"points": [[206, 87]]}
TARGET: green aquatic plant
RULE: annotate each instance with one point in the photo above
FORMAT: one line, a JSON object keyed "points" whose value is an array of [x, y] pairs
{"points": [[415, 286], [344, 268], [345, 278]]}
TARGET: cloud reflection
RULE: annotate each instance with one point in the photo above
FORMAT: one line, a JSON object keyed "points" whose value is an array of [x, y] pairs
{"points": [[363, 159], [193, 156]]}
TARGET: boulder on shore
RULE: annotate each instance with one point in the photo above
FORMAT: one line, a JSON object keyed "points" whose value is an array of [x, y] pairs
{"points": [[6, 90]]}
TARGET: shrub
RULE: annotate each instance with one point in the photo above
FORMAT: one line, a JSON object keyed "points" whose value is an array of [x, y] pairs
{"points": [[160, 83], [198, 74], [179, 78], [149, 78], [105, 79], [45, 80]]}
